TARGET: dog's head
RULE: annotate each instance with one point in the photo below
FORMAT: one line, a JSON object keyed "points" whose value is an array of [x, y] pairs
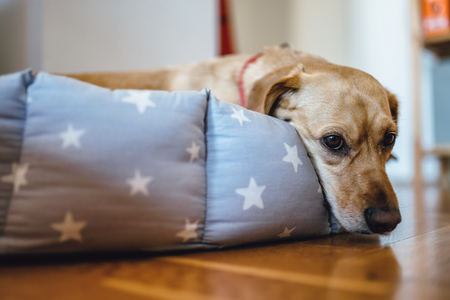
{"points": [[348, 123]]}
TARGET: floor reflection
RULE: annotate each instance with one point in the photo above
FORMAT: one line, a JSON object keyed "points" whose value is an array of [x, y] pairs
{"points": [[378, 271]]}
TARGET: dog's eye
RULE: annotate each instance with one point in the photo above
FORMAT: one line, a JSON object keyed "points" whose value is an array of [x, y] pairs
{"points": [[389, 140], [333, 142]]}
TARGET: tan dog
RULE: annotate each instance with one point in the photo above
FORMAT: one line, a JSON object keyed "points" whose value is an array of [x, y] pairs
{"points": [[346, 119]]}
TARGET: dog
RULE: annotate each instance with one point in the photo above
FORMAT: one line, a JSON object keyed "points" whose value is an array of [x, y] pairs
{"points": [[346, 119]]}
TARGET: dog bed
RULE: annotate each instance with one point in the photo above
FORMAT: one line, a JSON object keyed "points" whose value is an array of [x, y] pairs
{"points": [[84, 168]]}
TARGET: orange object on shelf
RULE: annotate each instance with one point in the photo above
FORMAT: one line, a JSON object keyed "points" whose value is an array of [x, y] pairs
{"points": [[435, 17]]}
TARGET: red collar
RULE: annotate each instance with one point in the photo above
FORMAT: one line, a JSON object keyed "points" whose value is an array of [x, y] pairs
{"points": [[241, 77]]}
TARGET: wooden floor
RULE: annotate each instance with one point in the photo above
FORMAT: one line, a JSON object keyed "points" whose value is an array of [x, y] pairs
{"points": [[411, 263]]}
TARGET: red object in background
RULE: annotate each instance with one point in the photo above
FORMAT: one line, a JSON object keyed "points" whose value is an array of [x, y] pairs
{"points": [[435, 17], [226, 40]]}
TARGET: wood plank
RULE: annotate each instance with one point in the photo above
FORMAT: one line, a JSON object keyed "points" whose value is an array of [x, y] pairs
{"points": [[141, 289]]}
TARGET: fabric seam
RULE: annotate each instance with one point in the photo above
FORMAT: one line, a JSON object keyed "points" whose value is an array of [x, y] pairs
{"points": [[25, 85], [205, 129]]}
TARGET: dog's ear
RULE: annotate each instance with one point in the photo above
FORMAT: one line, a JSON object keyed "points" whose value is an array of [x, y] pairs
{"points": [[258, 95], [393, 104], [286, 85]]}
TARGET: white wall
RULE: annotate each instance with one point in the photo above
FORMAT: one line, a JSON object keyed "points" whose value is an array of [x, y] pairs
{"points": [[259, 22], [314, 26], [378, 41], [126, 35], [19, 32], [105, 35], [318, 26]]}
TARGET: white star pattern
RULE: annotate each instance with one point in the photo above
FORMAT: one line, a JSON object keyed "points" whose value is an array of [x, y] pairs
{"points": [[19, 171], [286, 233], [71, 137], [189, 231], [252, 195], [239, 115], [139, 184], [139, 98], [69, 228], [292, 156], [193, 151]]}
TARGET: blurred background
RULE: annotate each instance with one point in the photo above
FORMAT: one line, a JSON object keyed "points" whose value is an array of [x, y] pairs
{"points": [[389, 39]]}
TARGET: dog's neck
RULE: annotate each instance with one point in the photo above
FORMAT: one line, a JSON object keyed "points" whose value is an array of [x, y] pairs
{"points": [[250, 61]]}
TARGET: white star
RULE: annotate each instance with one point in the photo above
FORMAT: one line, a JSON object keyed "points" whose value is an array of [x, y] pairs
{"points": [[193, 151], [292, 156], [239, 115], [71, 137], [286, 233], [139, 183], [19, 171], [189, 231], [69, 228], [252, 195], [139, 98]]}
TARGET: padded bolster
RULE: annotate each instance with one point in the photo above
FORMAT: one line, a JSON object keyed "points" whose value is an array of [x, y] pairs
{"points": [[261, 183]]}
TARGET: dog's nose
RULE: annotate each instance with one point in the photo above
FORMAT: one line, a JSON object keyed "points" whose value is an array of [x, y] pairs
{"points": [[382, 219]]}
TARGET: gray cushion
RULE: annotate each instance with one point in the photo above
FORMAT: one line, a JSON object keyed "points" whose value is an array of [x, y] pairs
{"points": [[95, 169]]}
